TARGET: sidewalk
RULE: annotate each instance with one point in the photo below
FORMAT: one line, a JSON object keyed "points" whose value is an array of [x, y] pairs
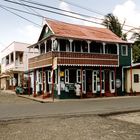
{"points": [[50, 100]]}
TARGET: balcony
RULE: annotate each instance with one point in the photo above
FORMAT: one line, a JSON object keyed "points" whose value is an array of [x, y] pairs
{"points": [[73, 58]]}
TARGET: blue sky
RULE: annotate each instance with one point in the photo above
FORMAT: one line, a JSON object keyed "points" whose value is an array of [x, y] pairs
{"points": [[13, 28]]}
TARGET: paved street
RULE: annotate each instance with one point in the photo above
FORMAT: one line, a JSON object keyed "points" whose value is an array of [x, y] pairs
{"points": [[17, 107], [25, 119]]}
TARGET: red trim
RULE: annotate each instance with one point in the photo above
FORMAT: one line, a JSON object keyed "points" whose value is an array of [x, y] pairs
{"points": [[131, 79], [52, 83], [42, 82], [34, 82], [100, 81], [29, 82], [115, 80]]}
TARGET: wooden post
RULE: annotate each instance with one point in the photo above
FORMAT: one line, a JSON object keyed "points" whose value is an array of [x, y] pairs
{"points": [[131, 79], [81, 83], [42, 82], [34, 82], [100, 81], [29, 82], [22, 79], [115, 80], [52, 83]]}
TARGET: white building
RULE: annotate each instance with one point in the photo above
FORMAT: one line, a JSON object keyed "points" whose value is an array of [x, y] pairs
{"points": [[14, 62]]}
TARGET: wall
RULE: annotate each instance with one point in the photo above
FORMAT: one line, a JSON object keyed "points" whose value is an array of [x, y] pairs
{"points": [[135, 86]]}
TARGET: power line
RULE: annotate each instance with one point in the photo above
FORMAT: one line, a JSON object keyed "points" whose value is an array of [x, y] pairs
{"points": [[55, 8], [54, 12], [22, 11], [40, 16], [72, 12], [90, 10], [62, 14], [20, 16], [29, 9]]}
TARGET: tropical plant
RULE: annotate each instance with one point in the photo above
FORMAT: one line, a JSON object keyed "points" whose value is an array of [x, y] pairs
{"points": [[136, 47], [113, 24]]}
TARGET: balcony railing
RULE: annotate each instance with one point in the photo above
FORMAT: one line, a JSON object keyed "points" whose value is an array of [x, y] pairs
{"points": [[73, 58]]}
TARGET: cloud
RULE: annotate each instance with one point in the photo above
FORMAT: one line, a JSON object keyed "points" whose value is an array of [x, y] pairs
{"points": [[29, 33], [63, 5], [128, 12]]}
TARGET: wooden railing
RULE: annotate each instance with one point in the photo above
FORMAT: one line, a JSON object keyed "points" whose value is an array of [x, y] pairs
{"points": [[74, 58]]}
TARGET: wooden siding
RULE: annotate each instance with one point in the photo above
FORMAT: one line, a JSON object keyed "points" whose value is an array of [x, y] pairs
{"points": [[73, 58]]}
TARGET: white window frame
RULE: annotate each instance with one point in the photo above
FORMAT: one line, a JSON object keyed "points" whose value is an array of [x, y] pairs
{"points": [[49, 77], [112, 80], [84, 81], [78, 76], [66, 76], [94, 75], [126, 47], [103, 81]]}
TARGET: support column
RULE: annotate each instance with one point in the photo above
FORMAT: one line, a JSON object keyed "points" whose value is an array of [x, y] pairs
{"points": [[52, 83], [35, 82], [10, 58], [14, 57], [70, 40], [52, 39], [81, 82], [22, 79], [39, 48], [59, 91], [42, 82], [33, 50], [104, 47], [100, 81], [88, 46], [29, 82], [131, 90], [45, 46], [115, 80]]}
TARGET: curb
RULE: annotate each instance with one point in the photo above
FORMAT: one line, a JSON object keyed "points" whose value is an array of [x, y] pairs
{"points": [[36, 99]]}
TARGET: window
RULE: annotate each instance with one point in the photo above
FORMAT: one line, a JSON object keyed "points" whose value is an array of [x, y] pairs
{"points": [[49, 77], [124, 50], [78, 76], [66, 76], [112, 80], [136, 78]]}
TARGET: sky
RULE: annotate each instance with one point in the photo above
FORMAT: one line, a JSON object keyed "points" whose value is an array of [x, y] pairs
{"points": [[13, 28]]}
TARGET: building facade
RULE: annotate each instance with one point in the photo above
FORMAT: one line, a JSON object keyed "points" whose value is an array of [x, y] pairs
{"points": [[132, 79], [14, 62], [78, 61]]}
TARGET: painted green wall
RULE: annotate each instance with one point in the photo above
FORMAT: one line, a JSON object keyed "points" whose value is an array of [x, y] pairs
{"points": [[46, 34], [125, 60]]}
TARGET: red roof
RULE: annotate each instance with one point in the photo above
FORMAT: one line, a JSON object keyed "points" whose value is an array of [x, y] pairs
{"points": [[63, 29]]}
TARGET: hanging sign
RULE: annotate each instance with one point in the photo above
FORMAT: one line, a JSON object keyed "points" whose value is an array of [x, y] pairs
{"points": [[118, 83]]}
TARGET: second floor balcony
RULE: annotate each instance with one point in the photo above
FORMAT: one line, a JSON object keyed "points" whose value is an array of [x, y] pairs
{"points": [[74, 52], [73, 59]]}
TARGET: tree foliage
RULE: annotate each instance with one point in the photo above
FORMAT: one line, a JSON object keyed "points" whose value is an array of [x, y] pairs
{"points": [[112, 23]]}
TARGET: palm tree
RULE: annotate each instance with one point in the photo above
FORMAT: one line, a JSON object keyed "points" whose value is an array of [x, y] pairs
{"points": [[136, 47], [112, 23], [136, 37]]}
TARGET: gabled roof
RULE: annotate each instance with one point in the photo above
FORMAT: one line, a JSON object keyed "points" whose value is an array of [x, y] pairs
{"points": [[63, 29]]}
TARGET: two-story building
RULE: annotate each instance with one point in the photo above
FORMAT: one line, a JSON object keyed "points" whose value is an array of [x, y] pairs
{"points": [[14, 62], [78, 61]]}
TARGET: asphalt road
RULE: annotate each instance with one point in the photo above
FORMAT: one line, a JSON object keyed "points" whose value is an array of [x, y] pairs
{"points": [[25, 119], [13, 107]]}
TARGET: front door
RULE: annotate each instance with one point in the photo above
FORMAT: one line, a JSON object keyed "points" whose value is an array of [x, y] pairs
{"points": [[89, 80], [107, 84]]}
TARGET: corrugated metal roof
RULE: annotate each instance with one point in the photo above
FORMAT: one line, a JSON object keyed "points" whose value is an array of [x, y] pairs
{"points": [[63, 29]]}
